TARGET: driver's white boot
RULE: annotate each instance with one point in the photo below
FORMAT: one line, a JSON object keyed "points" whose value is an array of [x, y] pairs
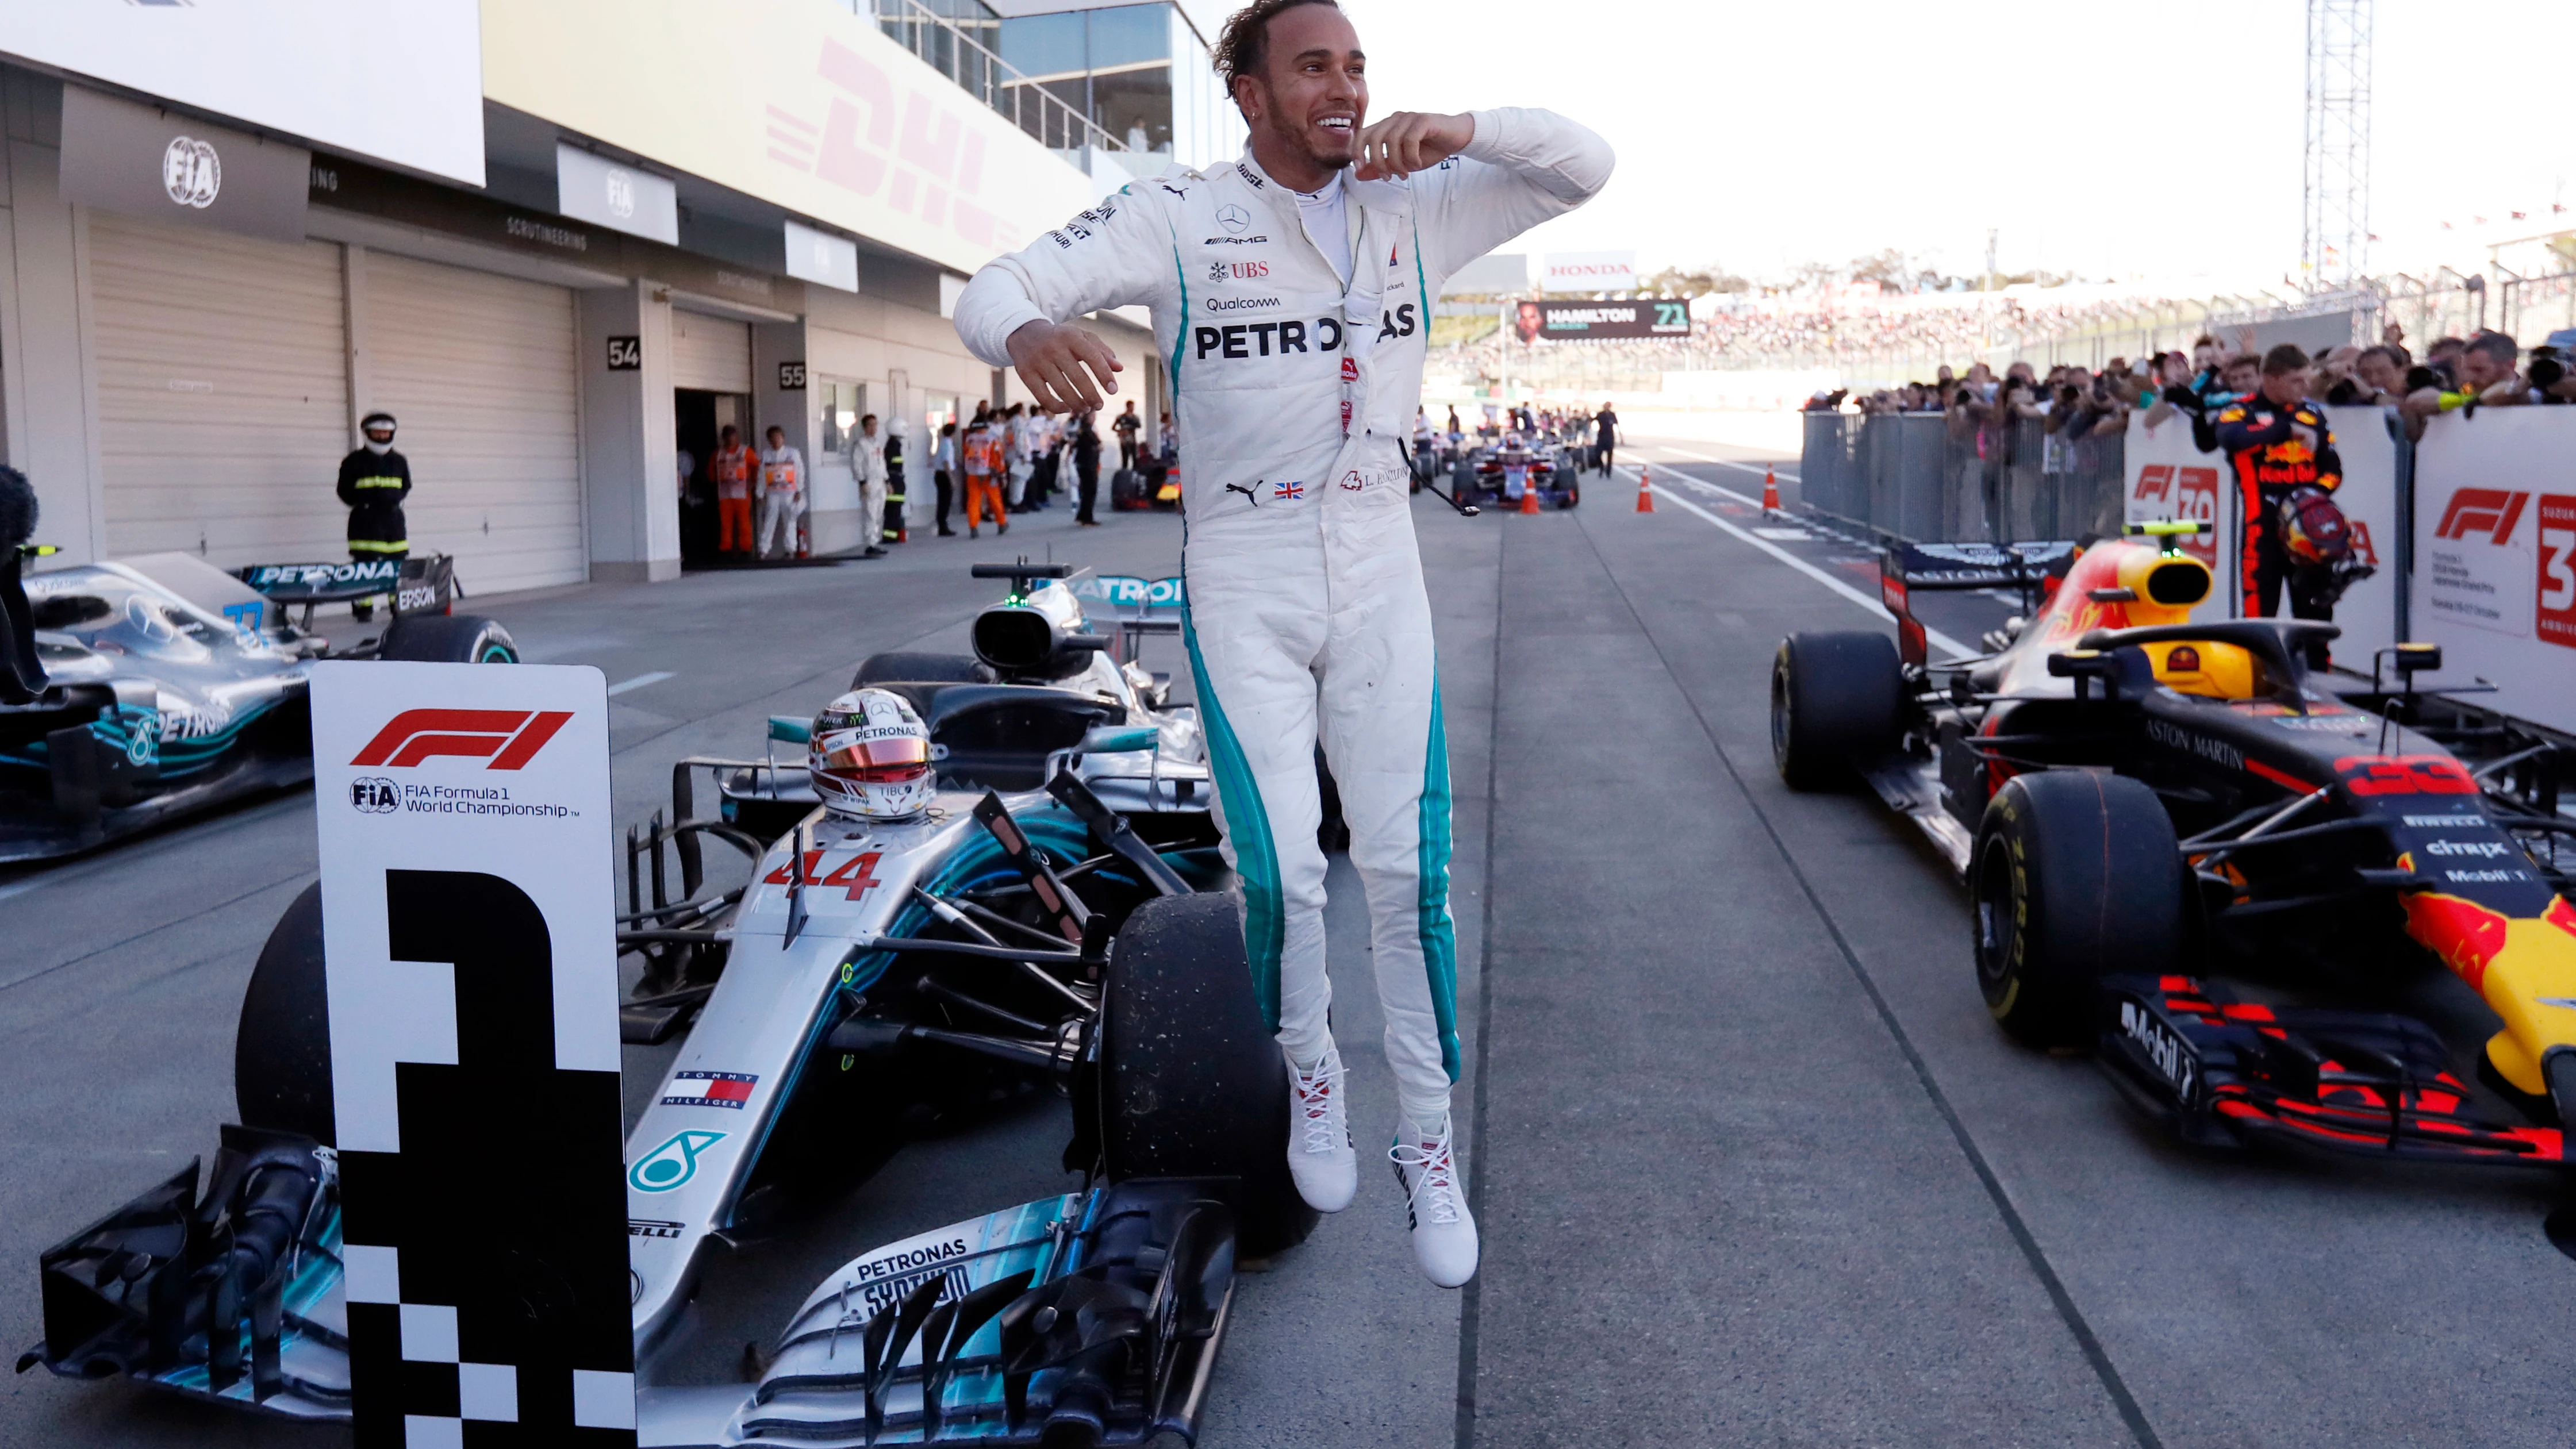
{"points": [[1435, 1205], [1320, 1156]]}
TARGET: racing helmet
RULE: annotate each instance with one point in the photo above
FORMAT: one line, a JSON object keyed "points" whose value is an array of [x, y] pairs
{"points": [[378, 429], [869, 755], [2313, 528]]}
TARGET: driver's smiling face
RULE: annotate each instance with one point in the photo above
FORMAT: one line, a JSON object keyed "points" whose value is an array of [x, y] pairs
{"points": [[1315, 85]]}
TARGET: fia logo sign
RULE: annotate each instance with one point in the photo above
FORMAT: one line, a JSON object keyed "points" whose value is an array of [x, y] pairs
{"points": [[191, 172], [374, 795]]}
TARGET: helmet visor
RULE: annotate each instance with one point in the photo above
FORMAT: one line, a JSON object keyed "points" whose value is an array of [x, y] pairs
{"points": [[886, 760]]}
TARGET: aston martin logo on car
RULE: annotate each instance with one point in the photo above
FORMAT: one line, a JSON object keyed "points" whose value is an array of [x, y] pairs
{"points": [[509, 738]]}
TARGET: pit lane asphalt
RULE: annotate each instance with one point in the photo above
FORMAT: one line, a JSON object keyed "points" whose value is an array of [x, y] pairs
{"points": [[1754, 1166]]}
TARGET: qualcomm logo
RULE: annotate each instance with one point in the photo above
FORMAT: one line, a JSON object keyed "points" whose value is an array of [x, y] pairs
{"points": [[191, 172]]}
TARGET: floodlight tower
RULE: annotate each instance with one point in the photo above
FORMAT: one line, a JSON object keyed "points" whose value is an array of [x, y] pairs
{"points": [[2335, 232]]}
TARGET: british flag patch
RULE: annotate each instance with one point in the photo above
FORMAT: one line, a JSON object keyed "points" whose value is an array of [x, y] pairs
{"points": [[1284, 492]]}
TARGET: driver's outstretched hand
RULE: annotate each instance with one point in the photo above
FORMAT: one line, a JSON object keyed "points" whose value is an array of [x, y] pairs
{"points": [[1410, 141], [1053, 360]]}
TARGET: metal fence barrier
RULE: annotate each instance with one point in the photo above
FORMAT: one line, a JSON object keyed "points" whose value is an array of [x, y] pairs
{"points": [[1905, 476]]}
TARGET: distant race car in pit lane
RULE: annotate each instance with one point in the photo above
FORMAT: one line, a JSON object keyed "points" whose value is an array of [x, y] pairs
{"points": [[1057, 921], [163, 685], [2142, 805], [1499, 474]]}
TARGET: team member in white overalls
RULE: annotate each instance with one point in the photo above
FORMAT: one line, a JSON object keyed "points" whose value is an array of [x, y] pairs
{"points": [[1292, 300], [782, 496]]}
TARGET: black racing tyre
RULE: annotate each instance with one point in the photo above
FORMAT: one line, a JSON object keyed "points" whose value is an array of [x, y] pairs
{"points": [[2558, 1072], [1192, 1084], [448, 639], [2077, 875], [1835, 698], [1571, 496], [920, 669], [282, 1045]]}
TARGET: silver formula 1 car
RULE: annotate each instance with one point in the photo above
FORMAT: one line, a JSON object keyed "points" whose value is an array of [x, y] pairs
{"points": [[152, 687], [1055, 922]]}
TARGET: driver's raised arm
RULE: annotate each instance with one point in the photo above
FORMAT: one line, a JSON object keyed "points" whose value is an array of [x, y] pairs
{"points": [[1523, 167], [1116, 253]]}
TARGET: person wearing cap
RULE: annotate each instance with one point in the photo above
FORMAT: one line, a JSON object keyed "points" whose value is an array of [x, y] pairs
{"points": [[374, 480]]}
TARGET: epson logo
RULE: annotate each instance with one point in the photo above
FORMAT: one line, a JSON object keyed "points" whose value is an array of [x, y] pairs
{"points": [[1240, 339], [2490, 849]]}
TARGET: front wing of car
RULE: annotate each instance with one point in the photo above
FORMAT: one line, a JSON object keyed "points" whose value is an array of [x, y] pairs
{"points": [[2219, 1071]]}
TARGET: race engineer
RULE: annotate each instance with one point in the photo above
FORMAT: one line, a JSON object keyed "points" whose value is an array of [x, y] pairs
{"points": [[374, 481], [2281, 451], [1292, 295]]}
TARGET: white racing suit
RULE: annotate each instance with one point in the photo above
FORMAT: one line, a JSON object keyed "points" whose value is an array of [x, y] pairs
{"points": [[1306, 618]]}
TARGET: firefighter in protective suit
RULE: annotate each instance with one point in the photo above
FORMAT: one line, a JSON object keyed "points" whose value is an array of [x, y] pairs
{"points": [[374, 480]]}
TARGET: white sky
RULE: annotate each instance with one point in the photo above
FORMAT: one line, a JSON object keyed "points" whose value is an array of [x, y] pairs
{"points": [[2109, 140]]}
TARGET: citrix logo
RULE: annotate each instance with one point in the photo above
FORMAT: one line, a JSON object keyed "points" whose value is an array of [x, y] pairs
{"points": [[509, 738], [2491, 511]]}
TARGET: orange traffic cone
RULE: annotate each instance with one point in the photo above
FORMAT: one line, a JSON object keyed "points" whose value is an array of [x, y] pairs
{"points": [[1770, 492], [1645, 493], [1529, 497]]}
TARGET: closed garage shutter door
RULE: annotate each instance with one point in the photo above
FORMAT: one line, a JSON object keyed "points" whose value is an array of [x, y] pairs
{"points": [[710, 353], [222, 389], [478, 371]]}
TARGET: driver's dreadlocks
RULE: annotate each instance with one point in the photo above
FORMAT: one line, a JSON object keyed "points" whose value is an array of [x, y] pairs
{"points": [[1244, 44]]}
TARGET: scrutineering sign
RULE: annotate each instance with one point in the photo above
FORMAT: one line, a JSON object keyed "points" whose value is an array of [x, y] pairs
{"points": [[469, 924]]}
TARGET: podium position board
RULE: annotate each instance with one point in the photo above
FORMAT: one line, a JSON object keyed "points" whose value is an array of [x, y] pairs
{"points": [[468, 915]]}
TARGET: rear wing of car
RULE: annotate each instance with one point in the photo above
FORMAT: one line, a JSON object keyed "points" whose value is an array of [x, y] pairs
{"points": [[2031, 569], [423, 584]]}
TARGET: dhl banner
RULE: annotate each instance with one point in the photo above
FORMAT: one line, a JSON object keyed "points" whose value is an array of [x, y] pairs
{"points": [[2495, 557]]}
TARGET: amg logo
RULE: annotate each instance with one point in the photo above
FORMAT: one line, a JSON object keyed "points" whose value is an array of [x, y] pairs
{"points": [[2490, 849], [2165, 1051], [2489, 511], [2175, 737]]}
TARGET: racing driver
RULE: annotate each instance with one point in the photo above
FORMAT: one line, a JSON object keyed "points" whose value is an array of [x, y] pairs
{"points": [[2279, 447], [1292, 297]]}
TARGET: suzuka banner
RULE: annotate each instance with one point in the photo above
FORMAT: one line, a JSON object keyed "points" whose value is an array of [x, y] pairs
{"points": [[468, 915], [2495, 557]]}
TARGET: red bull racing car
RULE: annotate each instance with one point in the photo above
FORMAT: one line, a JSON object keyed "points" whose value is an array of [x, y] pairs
{"points": [[2249, 889]]}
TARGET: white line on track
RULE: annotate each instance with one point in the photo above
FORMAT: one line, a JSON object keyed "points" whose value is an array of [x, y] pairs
{"points": [[1722, 462], [639, 681], [1937, 639]]}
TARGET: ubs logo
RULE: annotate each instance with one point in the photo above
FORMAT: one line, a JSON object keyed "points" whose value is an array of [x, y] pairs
{"points": [[191, 172], [374, 795], [1239, 271]]}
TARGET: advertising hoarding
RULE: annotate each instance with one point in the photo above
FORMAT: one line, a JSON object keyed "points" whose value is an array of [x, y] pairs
{"points": [[843, 124], [1594, 321], [2495, 557], [1589, 272]]}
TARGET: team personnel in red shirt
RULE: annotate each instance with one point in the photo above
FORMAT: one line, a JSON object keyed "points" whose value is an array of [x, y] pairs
{"points": [[2277, 445], [733, 467]]}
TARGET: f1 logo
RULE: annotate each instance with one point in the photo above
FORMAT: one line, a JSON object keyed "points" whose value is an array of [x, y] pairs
{"points": [[2155, 481], [508, 737], [2491, 511]]}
